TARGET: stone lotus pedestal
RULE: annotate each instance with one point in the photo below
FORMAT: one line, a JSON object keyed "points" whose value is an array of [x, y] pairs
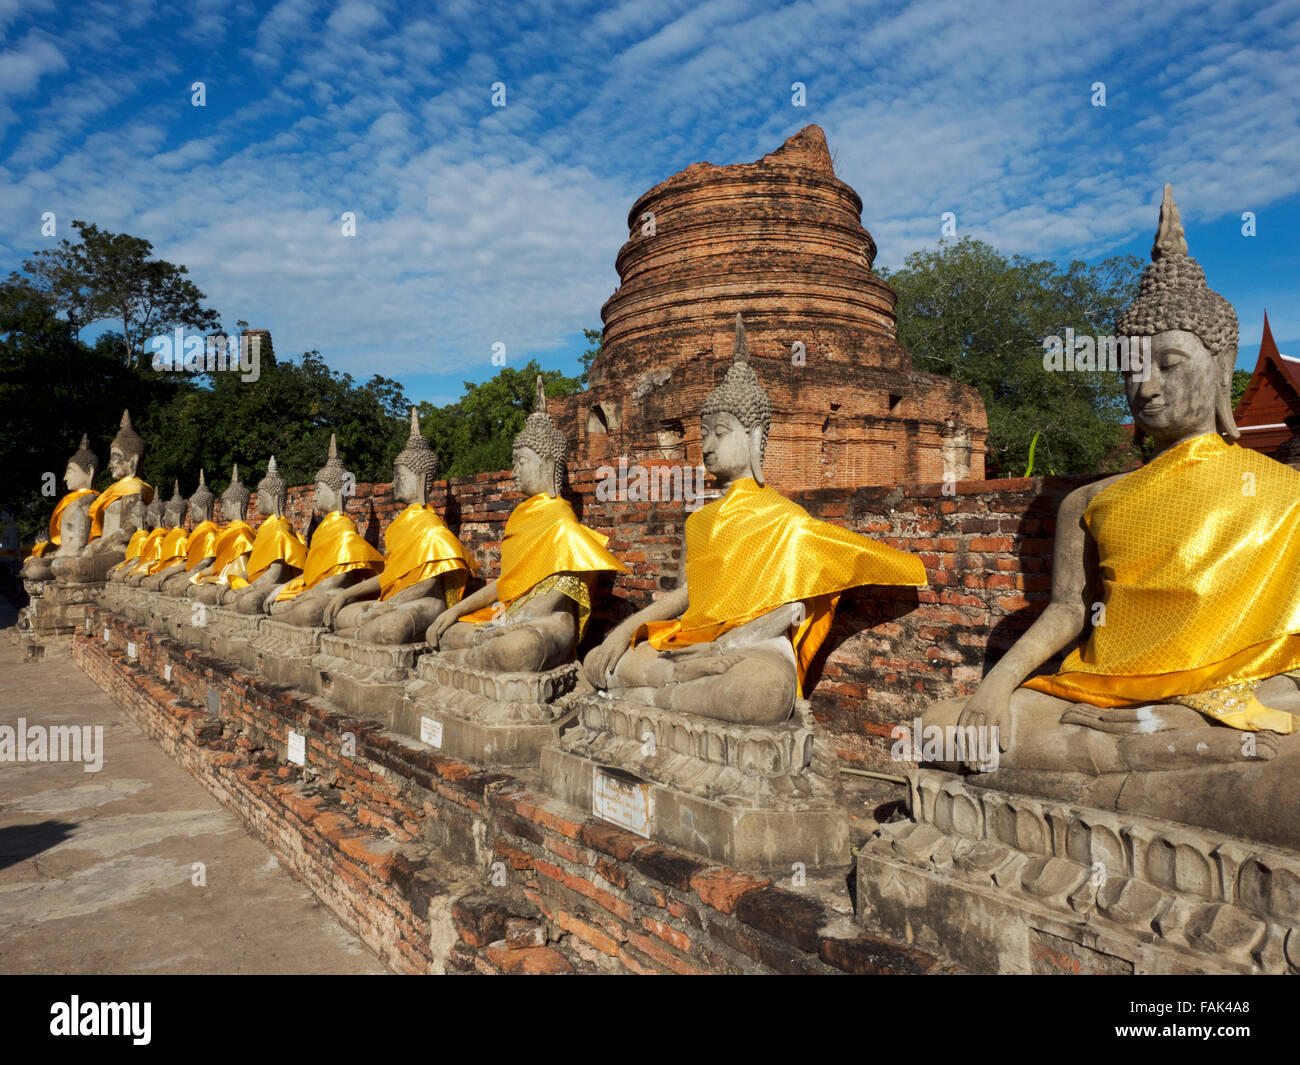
{"points": [[283, 654], [173, 615], [231, 635], [367, 679], [1007, 883], [486, 717], [59, 609], [759, 797]]}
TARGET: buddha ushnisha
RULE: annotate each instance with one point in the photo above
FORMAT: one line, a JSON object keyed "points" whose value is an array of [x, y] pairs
{"points": [[761, 583], [532, 616]]}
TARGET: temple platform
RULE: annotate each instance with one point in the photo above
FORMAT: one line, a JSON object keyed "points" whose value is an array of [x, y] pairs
{"points": [[754, 796], [283, 654], [496, 719], [1016, 884], [367, 679]]}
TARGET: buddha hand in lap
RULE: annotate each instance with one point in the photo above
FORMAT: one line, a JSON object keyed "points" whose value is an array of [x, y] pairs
{"points": [[1195, 640], [230, 548], [277, 555], [74, 510], [531, 618], [762, 580], [425, 566], [337, 558]]}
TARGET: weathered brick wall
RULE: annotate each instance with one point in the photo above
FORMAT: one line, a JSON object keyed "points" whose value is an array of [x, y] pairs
{"points": [[440, 865], [987, 550]]}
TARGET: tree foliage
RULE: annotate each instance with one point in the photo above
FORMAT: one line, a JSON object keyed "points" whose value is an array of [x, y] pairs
{"points": [[969, 313]]}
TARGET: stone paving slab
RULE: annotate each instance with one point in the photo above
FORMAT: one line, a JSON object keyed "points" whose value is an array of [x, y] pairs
{"points": [[98, 869]]}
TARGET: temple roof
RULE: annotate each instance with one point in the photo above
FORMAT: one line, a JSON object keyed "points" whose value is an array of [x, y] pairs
{"points": [[1272, 397]]}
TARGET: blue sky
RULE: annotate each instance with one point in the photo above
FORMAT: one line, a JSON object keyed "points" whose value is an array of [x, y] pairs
{"points": [[477, 225]]}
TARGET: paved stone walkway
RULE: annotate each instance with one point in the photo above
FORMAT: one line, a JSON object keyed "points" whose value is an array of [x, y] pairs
{"points": [[97, 870]]}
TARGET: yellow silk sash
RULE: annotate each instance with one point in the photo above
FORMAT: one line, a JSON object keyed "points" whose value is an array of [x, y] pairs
{"points": [[134, 545], [201, 544], [150, 550], [418, 546], [543, 537], [753, 550], [1199, 552], [336, 547], [56, 519], [171, 551], [127, 486], [275, 542], [233, 542]]}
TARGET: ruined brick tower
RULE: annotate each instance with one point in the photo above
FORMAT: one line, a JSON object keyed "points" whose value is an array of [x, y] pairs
{"points": [[781, 242]]}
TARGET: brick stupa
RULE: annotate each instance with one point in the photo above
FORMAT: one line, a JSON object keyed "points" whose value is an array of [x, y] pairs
{"points": [[781, 242]]}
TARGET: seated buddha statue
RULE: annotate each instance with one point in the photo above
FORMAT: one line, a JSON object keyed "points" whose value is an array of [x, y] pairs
{"points": [[277, 555], [145, 546], [1175, 583], [78, 477], [208, 583], [105, 513], [530, 619], [425, 566], [200, 544], [172, 551], [337, 557], [762, 581]]}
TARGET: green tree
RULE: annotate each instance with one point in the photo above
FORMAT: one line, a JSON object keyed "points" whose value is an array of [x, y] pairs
{"points": [[969, 313], [595, 341], [474, 434], [1240, 379], [107, 276]]}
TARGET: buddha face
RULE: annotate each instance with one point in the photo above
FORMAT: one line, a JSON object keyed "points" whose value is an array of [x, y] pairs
{"points": [[120, 464], [75, 477], [268, 505], [1177, 400], [326, 499], [533, 474], [729, 448], [407, 484]]}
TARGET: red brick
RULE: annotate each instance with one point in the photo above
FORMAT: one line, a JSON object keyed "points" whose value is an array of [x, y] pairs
{"points": [[721, 888]]}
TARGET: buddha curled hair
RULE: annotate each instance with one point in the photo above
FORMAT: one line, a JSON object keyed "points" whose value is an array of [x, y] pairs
{"points": [[128, 441], [236, 494], [740, 394], [272, 486], [85, 459], [332, 472], [541, 435], [417, 456], [202, 499], [1173, 294]]}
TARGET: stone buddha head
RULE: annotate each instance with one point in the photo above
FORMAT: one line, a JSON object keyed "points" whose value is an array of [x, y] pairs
{"points": [[234, 500], [202, 501], [135, 515], [126, 453], [82, 467], [1193, 333], [272, 492], [174, 509], [735, 420], [329, 483], [153, 514], [415, 468], [540, 451]]}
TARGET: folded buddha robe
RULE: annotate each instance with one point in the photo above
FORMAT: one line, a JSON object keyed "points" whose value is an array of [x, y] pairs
{"points": [[275, 542], [417, 546], [753, 550], [133, 548], [127, 486], [150, 550], [546, 548], [173, 549], [336, 547], [56, 523], [232, 543], [201, 543], [1200, 555]]}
